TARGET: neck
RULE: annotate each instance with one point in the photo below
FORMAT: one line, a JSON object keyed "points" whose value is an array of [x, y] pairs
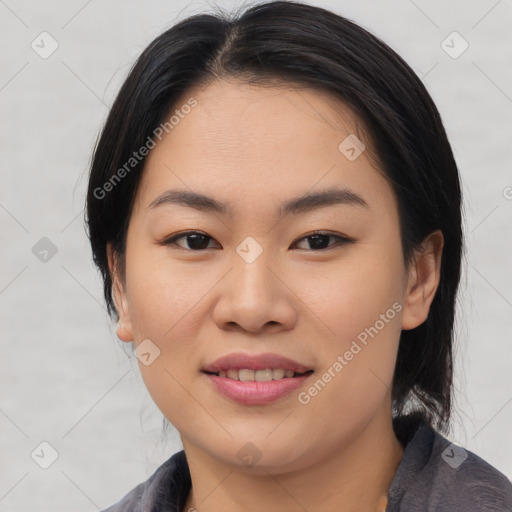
{"points": [[357, 476]]}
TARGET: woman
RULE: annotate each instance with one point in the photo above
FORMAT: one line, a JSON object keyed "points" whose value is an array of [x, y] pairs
{"points": [[300, 375]]}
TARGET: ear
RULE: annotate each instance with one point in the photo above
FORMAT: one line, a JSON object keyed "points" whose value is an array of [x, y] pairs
{"points": [[423, 281], [124, 328]]}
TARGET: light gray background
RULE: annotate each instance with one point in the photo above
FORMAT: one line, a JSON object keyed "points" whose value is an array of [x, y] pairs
{"points": [[65, 378]]}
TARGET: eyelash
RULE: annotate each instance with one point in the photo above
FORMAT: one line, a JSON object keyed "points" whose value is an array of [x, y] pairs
{"points": [[341, 240]]}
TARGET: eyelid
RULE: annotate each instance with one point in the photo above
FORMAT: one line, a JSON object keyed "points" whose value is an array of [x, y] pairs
{"points": [[342, 240], [170, 240]]}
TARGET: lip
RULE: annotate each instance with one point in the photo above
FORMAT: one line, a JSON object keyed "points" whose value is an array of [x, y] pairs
{"points": [[253, 392], [239, 360], [256, 393]]}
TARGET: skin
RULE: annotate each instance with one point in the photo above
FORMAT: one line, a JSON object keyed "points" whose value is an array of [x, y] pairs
{"points": [[254, 147]]}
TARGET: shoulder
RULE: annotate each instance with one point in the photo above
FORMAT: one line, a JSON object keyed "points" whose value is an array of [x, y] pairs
{"points": [[436, 475], [467, 481], [131, 502], [167, 487]]}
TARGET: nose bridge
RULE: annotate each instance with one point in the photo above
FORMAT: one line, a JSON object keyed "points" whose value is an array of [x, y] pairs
{"points": [[250, 250], [251, 273], [252, 296]]}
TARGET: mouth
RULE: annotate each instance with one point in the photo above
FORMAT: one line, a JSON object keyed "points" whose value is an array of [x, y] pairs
{"points": [[256, 379], [266, 375], [261, 364], [252, 391]]}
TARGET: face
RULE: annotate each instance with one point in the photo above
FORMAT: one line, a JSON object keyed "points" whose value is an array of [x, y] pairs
{"points": [[320, 282]]}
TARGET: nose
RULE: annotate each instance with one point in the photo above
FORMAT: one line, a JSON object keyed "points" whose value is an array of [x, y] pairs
{"points": [[255, 297]]}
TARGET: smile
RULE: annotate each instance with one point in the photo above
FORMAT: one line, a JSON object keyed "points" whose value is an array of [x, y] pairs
{"points": [[266, 375], [247, 389]]}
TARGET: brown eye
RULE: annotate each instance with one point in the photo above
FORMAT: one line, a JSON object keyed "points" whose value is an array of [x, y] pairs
{"points": [[196, 240], [319, 240]]}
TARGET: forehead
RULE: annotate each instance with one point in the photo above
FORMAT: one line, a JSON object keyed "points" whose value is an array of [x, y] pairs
{"points": [[260, 141], [231, 115]]}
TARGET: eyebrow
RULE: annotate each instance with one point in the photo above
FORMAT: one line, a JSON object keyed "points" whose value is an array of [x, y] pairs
{"points": [[302, 204]]}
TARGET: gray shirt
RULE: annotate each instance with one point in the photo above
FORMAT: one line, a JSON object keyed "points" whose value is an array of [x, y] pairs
{"points": [[434, 475]]}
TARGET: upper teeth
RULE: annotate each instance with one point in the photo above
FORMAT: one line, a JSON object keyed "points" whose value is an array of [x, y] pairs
{"points": [[257, 375]]}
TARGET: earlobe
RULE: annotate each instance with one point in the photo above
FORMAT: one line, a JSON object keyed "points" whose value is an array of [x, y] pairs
{"points": [[124, 328], [123, 333], [423, 281]]}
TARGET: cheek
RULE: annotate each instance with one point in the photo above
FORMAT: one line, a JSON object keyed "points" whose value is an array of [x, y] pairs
{"points": [[162, 308], [357, 364], [165, 304], [355, 293], [361, 305], [163, 296]]}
